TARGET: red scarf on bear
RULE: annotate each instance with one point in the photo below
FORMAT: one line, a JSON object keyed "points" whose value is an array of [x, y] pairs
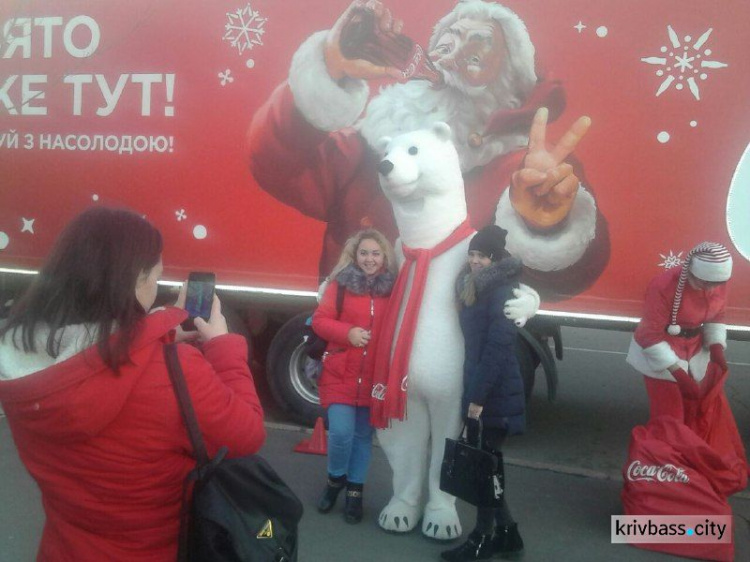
{"points": [[390, 382]]}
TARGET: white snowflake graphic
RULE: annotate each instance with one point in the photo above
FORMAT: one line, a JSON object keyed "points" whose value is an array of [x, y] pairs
{"points": [[671, 260], [244, 28], [684, 63], [226, 76], [28, 225], [181, 215]]}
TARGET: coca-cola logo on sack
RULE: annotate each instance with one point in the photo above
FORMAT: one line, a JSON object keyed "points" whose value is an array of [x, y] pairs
{"points": [[661, 473]]}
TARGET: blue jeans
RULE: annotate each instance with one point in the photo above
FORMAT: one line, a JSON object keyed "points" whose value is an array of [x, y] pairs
{"points": [[349, 442]]}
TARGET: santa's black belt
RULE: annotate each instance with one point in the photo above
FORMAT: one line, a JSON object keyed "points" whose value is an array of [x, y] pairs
{"points": [[689, 332]]}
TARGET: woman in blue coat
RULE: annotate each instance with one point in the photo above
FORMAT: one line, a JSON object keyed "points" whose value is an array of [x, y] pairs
{"points": [[493, 387]]}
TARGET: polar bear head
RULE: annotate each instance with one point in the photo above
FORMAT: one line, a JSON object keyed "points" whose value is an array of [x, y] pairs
{"points": [[419, 163], [420, 174]]}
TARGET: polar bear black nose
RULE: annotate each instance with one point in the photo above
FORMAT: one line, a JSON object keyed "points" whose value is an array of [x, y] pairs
{"points": [[385, 167]]}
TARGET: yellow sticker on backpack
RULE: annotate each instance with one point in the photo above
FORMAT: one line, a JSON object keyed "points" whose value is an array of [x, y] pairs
{"points": [[266, 532]]}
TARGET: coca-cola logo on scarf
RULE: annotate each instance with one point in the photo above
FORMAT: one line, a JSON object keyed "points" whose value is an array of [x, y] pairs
{"points": [[378, 391], [661, 473]]}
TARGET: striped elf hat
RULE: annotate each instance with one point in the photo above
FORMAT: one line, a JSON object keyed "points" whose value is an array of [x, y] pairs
{"points": [[708, 261]]}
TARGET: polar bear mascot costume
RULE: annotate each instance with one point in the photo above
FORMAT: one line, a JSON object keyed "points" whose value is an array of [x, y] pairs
{"points": [[418, 373]]}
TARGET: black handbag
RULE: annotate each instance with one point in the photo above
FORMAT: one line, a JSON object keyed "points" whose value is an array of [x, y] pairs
{"points": [[240, 509], [471, 473], [315, 346]]}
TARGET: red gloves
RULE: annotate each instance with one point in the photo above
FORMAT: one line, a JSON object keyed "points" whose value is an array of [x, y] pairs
{"points": [[717, 356], [688, 387], [691, 395]]}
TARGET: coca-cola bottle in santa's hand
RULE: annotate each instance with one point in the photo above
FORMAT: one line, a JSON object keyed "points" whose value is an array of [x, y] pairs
{"points": [[362, 38]]}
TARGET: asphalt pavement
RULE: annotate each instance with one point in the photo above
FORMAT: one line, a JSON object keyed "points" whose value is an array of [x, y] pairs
{"points": [[563, 475]]}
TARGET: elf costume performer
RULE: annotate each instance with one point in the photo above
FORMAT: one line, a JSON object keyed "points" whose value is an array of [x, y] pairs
{"points": [[682, 328], [689, 458]]}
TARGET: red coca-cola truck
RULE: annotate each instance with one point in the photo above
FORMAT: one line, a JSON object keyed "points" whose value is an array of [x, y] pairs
{"points": [[225, 124]]}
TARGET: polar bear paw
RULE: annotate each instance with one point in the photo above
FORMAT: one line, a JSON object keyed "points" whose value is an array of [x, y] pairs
{"points": [[524, 306], [398, 516], [441, 523]]}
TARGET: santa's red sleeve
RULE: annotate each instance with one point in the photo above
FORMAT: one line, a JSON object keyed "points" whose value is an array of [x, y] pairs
{"points": [[300, 147], [714, 328], [651, 332]]}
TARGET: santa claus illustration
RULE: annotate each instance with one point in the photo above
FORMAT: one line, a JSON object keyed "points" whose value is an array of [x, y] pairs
{"points": [[313, 144]]}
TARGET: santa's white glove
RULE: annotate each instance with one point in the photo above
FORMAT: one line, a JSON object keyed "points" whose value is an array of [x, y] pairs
{"points": [[523, 307]]}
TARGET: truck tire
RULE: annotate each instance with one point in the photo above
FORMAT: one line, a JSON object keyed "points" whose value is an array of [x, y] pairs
{"points": [[528, 362], [294, 392]]}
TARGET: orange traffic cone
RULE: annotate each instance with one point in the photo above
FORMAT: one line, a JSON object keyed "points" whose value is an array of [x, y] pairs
{"points": [[317, 444]]}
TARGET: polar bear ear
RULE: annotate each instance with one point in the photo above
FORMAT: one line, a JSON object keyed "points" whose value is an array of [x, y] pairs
{"points": [[382, 143], [442, 131]]}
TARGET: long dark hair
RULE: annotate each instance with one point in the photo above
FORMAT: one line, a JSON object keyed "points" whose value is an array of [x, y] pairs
{"points": [[90, 277]]}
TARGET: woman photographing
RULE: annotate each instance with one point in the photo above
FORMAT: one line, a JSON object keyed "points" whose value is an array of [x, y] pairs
{"points": [[88, 397]]}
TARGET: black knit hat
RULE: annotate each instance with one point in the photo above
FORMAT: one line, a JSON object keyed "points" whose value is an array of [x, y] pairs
{"points": [[490, 241]]}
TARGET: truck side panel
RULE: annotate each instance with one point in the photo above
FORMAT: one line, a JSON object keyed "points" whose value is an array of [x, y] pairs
{"points": [[147, 105]]}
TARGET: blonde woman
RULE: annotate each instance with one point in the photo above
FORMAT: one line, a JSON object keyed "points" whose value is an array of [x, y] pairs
{"points": [[366, 272]]}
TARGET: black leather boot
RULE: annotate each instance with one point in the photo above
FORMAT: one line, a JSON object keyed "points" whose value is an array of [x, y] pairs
{"points": [[353, 505], [507, 542], [476, 547], [333, 488]]}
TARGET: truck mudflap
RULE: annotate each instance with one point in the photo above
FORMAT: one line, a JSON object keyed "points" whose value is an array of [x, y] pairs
{"points": [[532, 351]]}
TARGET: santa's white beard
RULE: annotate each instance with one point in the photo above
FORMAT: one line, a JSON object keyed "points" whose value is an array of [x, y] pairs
{"points": [[402, 108]]}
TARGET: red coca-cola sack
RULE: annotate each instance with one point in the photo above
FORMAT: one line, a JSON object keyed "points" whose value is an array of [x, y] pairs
{"points": [[672, 470], [715, 424]]}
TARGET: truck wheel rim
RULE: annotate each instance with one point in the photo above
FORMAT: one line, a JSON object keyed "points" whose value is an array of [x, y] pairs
{"points": [[302, 385]]}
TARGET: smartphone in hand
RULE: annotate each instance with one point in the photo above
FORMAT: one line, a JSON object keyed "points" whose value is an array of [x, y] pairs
{"points": [[199, 297]]}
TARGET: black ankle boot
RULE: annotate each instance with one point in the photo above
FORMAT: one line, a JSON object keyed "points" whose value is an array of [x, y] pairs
{"points": [[353, 505], [333, 488], [507, 542], [476, 547]]}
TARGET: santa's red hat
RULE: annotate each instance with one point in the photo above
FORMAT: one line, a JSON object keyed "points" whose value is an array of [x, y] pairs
{"points": [[708, 261]]}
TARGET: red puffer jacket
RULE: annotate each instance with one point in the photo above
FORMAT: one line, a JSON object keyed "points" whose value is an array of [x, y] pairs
{"points": [[347, 370], [110, 452]]}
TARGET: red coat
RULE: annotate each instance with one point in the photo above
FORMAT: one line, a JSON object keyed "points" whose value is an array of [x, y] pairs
{"points": [[698, 307], [333, 177], [347, 370], [110, 452]]}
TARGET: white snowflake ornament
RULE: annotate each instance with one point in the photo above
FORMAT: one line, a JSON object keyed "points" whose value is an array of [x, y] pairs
{"points": [[226, 77], [244, 28], [671, 260], [682, 63]]}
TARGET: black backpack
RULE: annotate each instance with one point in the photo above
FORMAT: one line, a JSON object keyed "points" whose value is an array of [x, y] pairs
{"points": [[241, 510], [315, 346]]}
